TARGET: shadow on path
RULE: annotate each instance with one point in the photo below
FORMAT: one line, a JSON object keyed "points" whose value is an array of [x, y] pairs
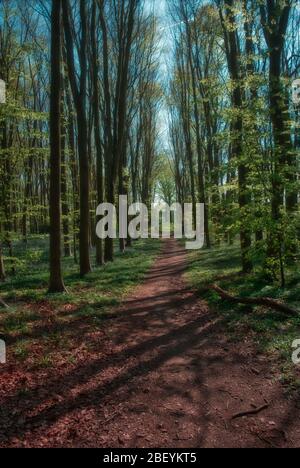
{"points": [[165, 376]]}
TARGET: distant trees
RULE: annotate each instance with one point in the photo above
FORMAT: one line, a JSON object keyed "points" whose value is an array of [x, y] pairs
{"points": [[166, 187], [221, 120], [22, 200], [230, 123], [192, 97], [122, 28], [106, 98], [102, 140]]}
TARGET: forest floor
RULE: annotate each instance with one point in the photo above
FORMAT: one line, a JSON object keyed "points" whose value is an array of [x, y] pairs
{"points": [[160, 371]]}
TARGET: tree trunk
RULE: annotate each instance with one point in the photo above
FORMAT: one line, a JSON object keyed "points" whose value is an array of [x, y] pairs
{"points": [[97, 130], [79, 96], [201, 175], [233, 59], [275, 22], [109, 243], [64, 196], [2, 269], [56, 280]]}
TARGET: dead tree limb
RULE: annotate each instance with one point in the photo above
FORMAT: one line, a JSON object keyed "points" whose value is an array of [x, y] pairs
{"points": [[257, 301], [250, 412]]}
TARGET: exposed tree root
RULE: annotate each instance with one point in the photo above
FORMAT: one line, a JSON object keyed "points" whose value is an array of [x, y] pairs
{"points": [[258, 301]]}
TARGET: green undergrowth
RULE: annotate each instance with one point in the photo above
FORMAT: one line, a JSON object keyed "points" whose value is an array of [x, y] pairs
{"points": [[92, 298], [273, 332], [110, 281]]}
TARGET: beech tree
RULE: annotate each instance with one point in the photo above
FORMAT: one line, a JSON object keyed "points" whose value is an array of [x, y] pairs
{"points": [[217, 119], [275, 19], [56, 281], [79, 91], [245, 161]]}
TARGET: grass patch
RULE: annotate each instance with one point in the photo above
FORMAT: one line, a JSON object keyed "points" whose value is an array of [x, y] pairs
{"points": [[54, 321], [22, 351], [104, 285], [44, 363]]}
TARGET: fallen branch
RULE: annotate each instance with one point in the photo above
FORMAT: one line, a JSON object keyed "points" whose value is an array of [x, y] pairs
{"points": [[250, 412], [3, 305], [258, 301]]}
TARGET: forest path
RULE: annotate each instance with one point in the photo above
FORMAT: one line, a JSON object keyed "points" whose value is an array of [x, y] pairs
{"points": [[184, 380], [160, 372]]}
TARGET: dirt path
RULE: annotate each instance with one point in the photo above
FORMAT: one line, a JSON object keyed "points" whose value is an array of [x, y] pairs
{"points": [[167, 377]]}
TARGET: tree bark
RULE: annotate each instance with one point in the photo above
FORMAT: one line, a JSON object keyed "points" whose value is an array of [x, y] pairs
{"points": [[233, 59], [2, 269], [97, 128], [275, 20], [56, 280], [79, 96]]}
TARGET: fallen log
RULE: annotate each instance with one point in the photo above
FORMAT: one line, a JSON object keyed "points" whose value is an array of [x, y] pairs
{"points": [[256, 301]]}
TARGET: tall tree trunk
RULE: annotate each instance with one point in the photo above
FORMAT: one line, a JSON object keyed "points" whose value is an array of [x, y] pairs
{"points": [[56, 280], [2, 269], [97, 129], [109, 243], [250, 67], [108, 130], [79, 96], [64, 193], [201, 168], [275, 20], [234, 66], [74, 170]]}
